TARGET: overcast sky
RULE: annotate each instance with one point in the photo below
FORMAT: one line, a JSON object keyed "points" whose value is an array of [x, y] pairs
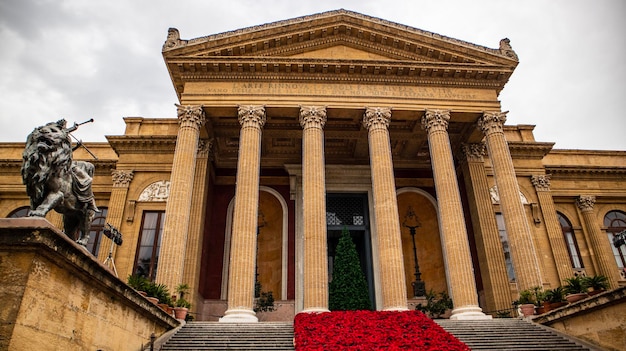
{"points": [[78, 59]]}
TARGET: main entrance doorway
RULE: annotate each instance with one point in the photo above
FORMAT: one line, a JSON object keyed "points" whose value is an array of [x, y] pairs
{"points": [[348, 210]]}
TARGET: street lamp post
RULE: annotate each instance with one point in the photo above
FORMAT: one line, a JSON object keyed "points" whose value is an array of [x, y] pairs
{"points": [[412, 222]]}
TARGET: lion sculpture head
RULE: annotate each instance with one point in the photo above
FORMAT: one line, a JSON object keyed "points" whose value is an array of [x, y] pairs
{"points": [[48, 152]]}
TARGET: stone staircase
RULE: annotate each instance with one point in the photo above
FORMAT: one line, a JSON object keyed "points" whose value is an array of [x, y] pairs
{"points": [[231, 336], [510, 334], [497, 334]]}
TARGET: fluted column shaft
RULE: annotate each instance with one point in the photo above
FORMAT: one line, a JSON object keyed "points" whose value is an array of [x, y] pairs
{"points": [[193, 255], [558, 247], [599, 242], [312, 120], [174, 239], [454, 233], [489, 247], [115, 212], [523, 251], [241, 275], [388, 236]]}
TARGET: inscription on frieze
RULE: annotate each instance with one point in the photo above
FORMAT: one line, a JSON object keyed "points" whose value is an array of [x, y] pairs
{"points": [[300, 89]]}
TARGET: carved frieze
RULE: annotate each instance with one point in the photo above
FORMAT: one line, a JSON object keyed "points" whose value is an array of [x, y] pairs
{"points": [[157, 191]]}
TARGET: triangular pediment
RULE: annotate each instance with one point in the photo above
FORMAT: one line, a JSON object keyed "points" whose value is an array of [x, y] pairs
{"points": [[338, 44]]}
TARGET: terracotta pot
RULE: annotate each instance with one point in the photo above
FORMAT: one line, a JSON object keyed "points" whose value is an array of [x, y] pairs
{"points": [[596, 292], [154, 300], [527, 309], [571, 298], [180, 312], [555, 305]]}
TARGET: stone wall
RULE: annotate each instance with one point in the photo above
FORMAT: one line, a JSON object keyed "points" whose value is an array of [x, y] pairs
{"points": [[599, 319], [59, 297]]}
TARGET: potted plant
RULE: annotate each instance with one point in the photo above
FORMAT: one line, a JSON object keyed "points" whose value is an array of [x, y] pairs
{"points": [[526, 302], [556, 297], [181, 306], [138, 283], [597, 283], [575, 289]]}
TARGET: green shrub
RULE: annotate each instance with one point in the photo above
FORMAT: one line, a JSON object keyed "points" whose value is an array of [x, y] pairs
{"points": [[348, 289], [436, 304]]}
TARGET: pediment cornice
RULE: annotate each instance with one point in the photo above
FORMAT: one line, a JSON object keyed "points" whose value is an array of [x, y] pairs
{"points": [[301, 49]]}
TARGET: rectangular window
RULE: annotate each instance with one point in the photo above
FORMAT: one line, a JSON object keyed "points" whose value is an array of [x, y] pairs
{"points": [[504, 239], [149, 244]]}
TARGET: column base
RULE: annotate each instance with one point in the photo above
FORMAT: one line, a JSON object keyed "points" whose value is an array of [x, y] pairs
{"points": [[315, 310], [239, 316], [469, 313], [397, 309]]}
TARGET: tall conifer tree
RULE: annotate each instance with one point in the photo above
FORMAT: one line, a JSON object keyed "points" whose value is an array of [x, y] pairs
{"points": [[348, 289]]}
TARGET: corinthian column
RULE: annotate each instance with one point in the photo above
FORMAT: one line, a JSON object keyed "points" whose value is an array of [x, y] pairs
{"points": [[555, 233], [121, 182], [523, 252], [488, 245], [245, 218], [452, 223], [388, 236], [174, 239], [312, 120], [605, 263]]}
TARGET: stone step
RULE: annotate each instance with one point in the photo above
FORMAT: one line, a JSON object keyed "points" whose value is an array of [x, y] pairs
{"points": [[509, 334], [232, 336]]}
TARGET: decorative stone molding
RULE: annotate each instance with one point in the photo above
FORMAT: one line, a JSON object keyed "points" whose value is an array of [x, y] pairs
{"points": [[541, 182], [173, 40], [585, 202], [377, 117], [474, 152], [312, 116], [436, 120], [205, 147], [121, 178], [495, 196], [155, 192], [251, 116], [491, 122], [190, 116]]}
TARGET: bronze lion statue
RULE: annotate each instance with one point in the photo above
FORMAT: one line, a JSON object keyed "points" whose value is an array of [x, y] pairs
{"points": [[55, 182]]}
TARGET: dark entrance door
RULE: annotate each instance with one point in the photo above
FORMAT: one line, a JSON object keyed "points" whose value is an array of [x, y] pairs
{"points": [[348, 210]]}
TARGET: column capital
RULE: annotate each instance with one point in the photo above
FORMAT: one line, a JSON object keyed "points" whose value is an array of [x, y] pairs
{"points": [[312, 116], [190, 115], [251, 115], [435, 120], [204, 147], [474, 152], [121, 178], [541, 182], [491, 122], [377, 117], [585, 202]]}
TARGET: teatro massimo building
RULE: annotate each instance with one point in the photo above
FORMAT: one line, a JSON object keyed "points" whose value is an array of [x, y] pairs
{"points": [[288, 132]]}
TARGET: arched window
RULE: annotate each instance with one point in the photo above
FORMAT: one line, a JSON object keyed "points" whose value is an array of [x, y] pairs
{"points": [[570, 241], [19, 212], [615, 222], [96, 231]]}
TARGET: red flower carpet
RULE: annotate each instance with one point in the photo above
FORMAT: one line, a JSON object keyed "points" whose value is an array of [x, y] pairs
{"points": [[371, 330]]}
